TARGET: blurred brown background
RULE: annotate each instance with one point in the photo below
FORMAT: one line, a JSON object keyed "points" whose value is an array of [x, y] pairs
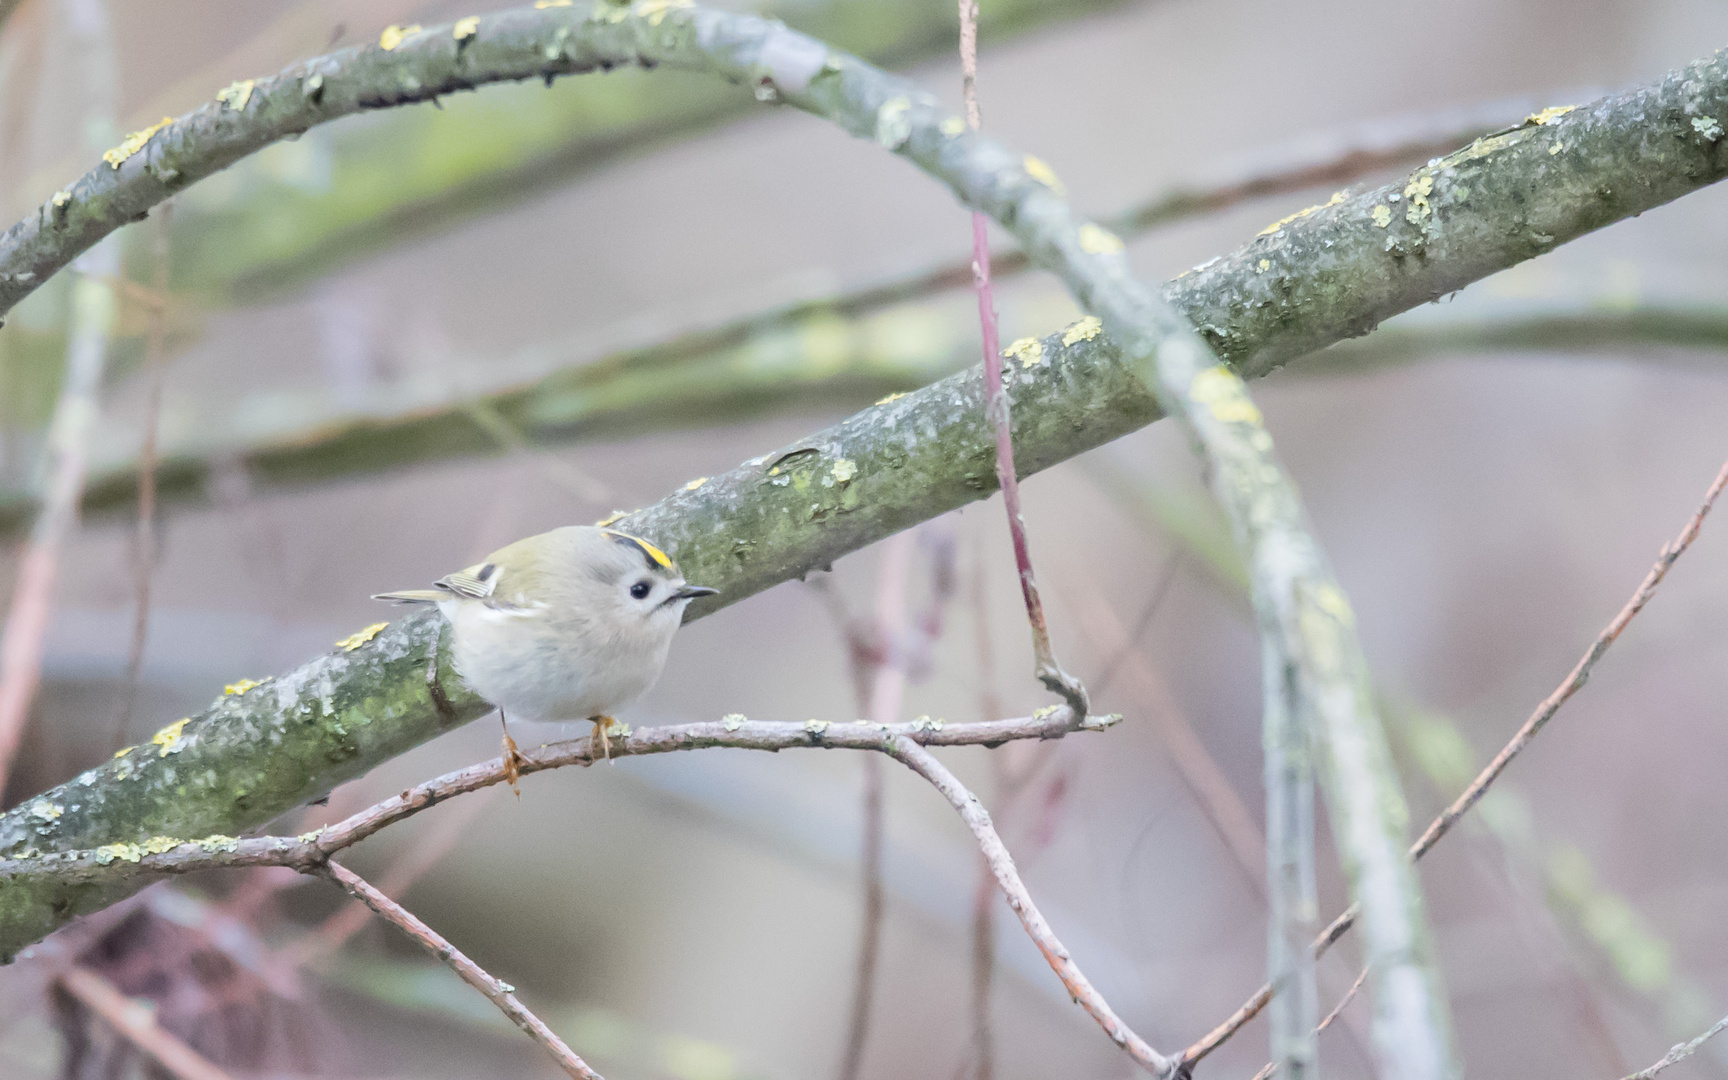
{"points": [[695, 917]]}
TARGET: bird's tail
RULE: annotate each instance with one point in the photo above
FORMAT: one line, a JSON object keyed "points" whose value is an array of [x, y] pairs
{"points": [[413, 596]]}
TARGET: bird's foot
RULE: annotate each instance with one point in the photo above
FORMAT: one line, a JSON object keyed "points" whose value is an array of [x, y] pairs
{"points": [[512, 764], [598, 744]]}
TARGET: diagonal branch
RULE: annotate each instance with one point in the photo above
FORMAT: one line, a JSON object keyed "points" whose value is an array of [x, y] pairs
{"points": [[922, 762], [136, 1022], [501, 994], [1471, 795], [250, 757]]}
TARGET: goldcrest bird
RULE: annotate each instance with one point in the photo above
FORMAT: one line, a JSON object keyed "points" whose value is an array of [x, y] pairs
{"points": [[572, 624]]}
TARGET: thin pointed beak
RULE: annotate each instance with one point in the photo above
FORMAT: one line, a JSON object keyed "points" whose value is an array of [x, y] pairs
{"points": [[691, 592]]}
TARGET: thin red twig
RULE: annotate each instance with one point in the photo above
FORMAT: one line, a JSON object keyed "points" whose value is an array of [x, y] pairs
{"points": [[922, 762], [499, 993], [996, 406], [135, 1021], [1574, 681]]}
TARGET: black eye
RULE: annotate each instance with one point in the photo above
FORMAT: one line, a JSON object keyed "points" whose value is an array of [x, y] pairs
{"points": [[641, 589]]}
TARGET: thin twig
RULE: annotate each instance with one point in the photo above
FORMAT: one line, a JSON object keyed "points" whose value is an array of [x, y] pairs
{"points": [[1349, 996], [501, 994], [162, 855], [983, 911], [144, 541], [996, 407], [413, 863], [922, 762], [1680, 1052], [135, 1021], [1573, 682]]}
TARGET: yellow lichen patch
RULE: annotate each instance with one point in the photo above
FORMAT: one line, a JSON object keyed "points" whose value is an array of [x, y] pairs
{"points": [[1097, 240], [1549, 114], [952, 126], [169, 737], [1337, 197], [1556, 148], [1028, 350], [655, 11], [236, 94], [123, 752], [1084, 330], [1417, 191], [1262, 266], [394, 35], [1331, 599], [157, 845], [895, 396], [465, 28], [542, 5], [130, 145], [61, 198], [616, 515], [107, 853], [1223, 394], [1382, 215], [239, 688], [1044, 174], [360, 637], [843, 470], [732, 721], [217, 842], [696, 483], [308, 837]]}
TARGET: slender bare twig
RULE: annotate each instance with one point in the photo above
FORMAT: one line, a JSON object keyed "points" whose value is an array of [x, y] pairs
{"points": [[996, 406], [922, 762], [501, 994], [1680, 1052], [408, 868], [1338, 1009], [1550, 705], [135, 1021], [168, 855], [144, 541], [983, 911], [881, 676]]}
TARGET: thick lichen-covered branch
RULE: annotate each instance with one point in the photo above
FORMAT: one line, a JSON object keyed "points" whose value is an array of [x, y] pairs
{"points": [[775, 517]]}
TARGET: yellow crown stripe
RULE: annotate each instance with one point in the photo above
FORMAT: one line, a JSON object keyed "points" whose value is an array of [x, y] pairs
{"points": [[650, 550]]}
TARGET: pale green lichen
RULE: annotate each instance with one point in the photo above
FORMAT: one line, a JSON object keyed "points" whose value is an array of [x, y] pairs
{"points": [[1222, 392], [1382, 215], [843, 470], [732, 721], [816, 727], [1043, 173], [894, 122], [1707, 126], [217, 842], [1097, 240]]}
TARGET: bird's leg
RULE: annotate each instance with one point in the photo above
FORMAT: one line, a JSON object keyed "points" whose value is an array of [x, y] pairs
{"points": [[598, 743], [512, 757]]}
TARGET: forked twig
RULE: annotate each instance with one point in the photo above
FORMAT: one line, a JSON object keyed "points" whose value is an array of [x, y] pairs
{"points": [[1574, 681], [501, 994]]}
